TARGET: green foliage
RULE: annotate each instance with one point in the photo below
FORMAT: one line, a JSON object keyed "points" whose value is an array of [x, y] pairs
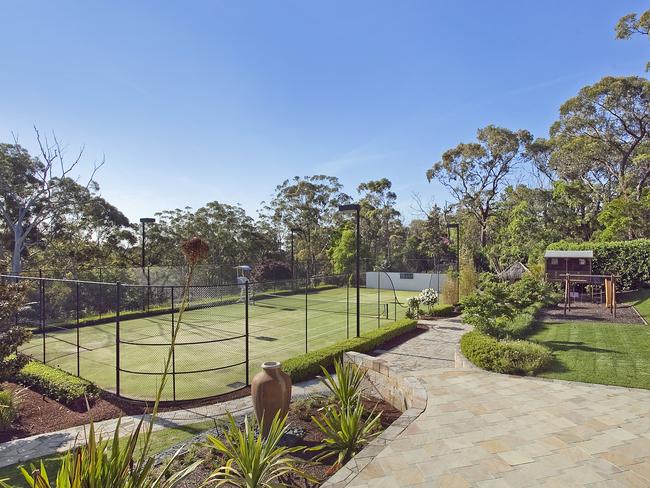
{"points": [[443, 311], [633, 24], [345, 431], [100, 463], [309, 365], [413, 305], [510, 357], [346, 386], [57, 384], [503, 310], [477, 172], [253, 461], [8, 410], [271, 270], [12, 297], [625, 218], [602, 136], [629, 259], [343, 253]]}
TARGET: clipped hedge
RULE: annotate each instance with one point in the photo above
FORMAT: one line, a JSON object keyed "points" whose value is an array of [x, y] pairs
{"points": [[510, 357], [629, 259], [309, 365], [57, 384], [442, 311]]}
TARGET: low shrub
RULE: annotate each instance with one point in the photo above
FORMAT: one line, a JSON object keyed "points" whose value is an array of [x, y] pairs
{"points": [[57, 384], [443, 311], [309, 365], [510, 357], [8, 410]]}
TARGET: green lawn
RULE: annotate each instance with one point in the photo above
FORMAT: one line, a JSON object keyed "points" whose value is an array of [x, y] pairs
{"points": [[276, 332], [611, 354], [641, 302]]}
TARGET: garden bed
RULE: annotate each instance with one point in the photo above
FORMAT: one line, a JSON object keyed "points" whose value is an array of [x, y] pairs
{"points": [[592, 312], [38, 414], [303, 431]]}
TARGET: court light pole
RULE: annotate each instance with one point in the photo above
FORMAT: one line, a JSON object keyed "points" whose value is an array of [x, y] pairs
{"points": [[144, 221], [356, 209], [456, 226]]}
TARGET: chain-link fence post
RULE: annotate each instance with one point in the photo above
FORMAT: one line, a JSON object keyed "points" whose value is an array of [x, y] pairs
{"points": [[173, 352], [347, 309], [117, 337], [246, 333], [78, 344], [41, 284], [378, 298], [306, 313]]}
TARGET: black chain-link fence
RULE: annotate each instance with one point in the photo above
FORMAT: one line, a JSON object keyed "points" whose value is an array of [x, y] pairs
{"points": [[118, 335]]}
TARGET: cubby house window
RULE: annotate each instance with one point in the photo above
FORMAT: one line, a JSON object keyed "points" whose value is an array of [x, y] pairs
{"points": [[582, 262], [554, 261]]}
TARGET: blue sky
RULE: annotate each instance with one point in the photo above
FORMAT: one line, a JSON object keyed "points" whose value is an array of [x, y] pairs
{"points": [[198, 101]]}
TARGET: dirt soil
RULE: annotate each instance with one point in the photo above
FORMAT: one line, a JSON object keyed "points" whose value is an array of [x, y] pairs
{"points": [[38, 414], [299, 417], [592, 312]]}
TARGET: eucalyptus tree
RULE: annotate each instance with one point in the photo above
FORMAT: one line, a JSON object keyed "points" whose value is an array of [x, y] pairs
{"points": [[380, 219], [309, 204], [632, 25], [476, 173], [32, 191], [602, 138]]}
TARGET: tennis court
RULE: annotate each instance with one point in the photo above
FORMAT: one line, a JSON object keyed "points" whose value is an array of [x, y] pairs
{"points": [[210, 355]]}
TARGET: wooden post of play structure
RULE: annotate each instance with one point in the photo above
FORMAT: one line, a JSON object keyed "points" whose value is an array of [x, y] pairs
{"points": [[614, 295], [608, 293], [567, 294]]}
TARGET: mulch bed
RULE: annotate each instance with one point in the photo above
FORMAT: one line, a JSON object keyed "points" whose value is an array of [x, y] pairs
{"points": [[299, 417], [592, 312], [38, 414]]}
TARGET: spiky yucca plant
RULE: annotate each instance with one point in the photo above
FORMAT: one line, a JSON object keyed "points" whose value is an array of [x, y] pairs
{"points": [[346, 386], [344, 431], [253, 461]]}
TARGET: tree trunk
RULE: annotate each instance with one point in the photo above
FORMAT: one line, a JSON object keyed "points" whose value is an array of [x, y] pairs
{"points": [[16, 261]]}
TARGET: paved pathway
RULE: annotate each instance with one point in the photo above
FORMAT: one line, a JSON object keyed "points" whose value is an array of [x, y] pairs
{"points": [[482, 429], [36, 446]]}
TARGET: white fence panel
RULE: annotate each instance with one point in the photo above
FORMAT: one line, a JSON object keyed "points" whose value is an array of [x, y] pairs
{"points": [[405, 281]]}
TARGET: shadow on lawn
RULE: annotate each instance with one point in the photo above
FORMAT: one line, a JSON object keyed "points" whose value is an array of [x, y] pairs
{"points": [[574, 346]]}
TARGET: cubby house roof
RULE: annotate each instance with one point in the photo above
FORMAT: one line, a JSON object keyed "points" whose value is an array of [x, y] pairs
{"points": [[569, 254]]}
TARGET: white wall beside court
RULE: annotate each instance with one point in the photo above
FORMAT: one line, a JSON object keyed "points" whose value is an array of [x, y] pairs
{"points": [[405, 281]]}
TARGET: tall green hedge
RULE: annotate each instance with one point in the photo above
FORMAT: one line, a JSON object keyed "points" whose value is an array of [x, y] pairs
{"points": [[629, 259]]}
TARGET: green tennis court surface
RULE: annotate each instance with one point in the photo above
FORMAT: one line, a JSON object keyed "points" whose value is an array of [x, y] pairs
{"points": [[210, 355]]}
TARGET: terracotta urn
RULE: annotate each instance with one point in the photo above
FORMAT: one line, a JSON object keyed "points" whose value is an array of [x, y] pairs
{"points": [[270, 392]]}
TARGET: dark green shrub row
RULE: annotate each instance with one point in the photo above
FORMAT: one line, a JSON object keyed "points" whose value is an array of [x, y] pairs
{"points": [[308, 365], [510, 357], [57, 384], [443, 311], [629, 259]]}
